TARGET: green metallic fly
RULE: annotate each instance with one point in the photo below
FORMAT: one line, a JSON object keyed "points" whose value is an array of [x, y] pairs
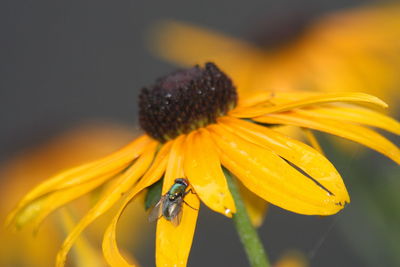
{"points": [[170, 204]]}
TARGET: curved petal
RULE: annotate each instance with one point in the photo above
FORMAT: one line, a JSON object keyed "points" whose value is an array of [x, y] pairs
{"points": [[115, 162], [272, 178], [203, 169], [110, 247], [40, 208], [263, 97], [249, 112], [120, 186], [256, 207], [356, 115], [175, 164], [299, 154], [173, 243], [356, 133], [85, 253]]}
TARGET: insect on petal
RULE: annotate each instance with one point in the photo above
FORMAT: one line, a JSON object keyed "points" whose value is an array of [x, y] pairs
{"points": [[173, 243]]}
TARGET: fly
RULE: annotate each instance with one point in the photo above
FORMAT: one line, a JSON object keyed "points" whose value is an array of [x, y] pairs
{"points": [[170, 204]]}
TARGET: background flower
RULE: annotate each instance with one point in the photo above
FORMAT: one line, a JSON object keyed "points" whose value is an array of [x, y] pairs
{"points": [[353, 49], [35, 164]]}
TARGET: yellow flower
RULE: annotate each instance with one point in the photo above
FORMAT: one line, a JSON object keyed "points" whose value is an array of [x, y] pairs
{"points": [[292, 258], [195, 123], [354, 49]]}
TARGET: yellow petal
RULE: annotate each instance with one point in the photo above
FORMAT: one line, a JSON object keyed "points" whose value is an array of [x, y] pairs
{"points": [[257, 97], [356, 133], [40, 208], [175, 163], [106, 166], [355, 115], [85, 253], [299, 154], [253, 97], [248, 112], [120, 186], [203, 169], [110, 247], [173, 243], [272, 178], [256, 207]]}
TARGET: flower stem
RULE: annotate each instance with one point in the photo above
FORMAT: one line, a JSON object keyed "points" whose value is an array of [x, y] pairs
{"points": [[247, 233]]}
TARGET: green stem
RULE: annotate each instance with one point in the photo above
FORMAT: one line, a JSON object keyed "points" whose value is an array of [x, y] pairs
{"points": [[247, 233]]}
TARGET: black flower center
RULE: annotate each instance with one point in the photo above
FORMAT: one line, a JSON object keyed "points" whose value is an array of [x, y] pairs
{"points": [[184, 101]]}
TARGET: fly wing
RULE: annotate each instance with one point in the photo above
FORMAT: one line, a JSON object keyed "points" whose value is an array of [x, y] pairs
{"points": [[176, 212], [156, 211]]}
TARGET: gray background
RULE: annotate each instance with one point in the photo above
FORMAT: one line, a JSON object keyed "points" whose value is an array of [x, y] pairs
{"points": [[65, 62]]}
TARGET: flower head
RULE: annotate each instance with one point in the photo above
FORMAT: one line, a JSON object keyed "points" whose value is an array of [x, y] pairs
{"points": [[184, 101], [195, 126]]}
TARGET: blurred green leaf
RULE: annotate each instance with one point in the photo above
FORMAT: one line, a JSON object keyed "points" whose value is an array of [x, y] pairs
{"points": [[153, 194]]}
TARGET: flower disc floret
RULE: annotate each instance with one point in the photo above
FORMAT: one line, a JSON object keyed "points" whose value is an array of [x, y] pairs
{"points": [[184, 101]]}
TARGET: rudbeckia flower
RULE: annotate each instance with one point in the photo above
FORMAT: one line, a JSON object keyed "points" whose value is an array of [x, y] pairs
{"points": [[352, 49], [196, 126]]}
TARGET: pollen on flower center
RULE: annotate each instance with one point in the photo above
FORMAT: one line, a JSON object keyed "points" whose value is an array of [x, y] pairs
{"points": [[184, 101]]}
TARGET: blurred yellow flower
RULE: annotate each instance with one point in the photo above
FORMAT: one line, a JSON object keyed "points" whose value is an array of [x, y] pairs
{"points": [[195, 124], [31, 166], [292, 259], [349, 50]]}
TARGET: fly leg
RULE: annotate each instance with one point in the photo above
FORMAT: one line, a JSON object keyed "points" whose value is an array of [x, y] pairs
{"points": [[187, 192], [190, 191], [189, 205]]}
